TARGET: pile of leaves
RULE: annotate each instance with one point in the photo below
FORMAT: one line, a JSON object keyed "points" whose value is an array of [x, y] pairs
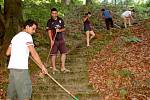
{"points": [[121, 70], [3, 82]]}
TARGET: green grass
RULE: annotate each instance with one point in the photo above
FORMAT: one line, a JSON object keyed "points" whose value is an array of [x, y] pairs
{"points": [[125, 73], [129, 39], [110, 83], [115, 48], [147, 26], [123, 92]]}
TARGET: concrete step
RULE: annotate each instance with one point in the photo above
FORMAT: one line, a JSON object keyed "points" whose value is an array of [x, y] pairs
{"points": [[76, 81], [65, 96]]}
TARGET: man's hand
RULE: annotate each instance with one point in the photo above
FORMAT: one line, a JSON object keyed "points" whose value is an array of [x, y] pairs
{"points": [[44, 70], [57, 30]]}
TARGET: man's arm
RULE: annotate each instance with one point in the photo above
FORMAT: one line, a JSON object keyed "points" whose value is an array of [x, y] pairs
{"points": [[131, 16], [85, 18], [60, 30], [110, 13], [103, 16], [37, 58], [8, 52], [50, 37]]}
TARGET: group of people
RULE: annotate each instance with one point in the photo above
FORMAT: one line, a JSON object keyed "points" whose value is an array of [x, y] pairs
{"points": [[22, 45], [107, 16]]}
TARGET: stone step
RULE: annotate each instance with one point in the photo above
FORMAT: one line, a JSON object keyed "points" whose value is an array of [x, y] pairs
{"points": [[78, 69], [65, 96], [41, 96], [65, 78], [54, 87], [76, 81]]}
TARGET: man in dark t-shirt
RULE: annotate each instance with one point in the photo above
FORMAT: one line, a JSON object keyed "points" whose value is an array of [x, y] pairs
{"points": [[55, 27], [88, 28]]}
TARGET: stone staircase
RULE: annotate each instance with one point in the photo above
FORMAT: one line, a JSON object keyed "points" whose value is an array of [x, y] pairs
{"points": [[76, 81]]}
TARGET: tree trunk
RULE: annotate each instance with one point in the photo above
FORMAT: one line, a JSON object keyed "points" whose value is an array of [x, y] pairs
{"points": [[126, 3], [53, 1], [88, 2], [106, 1], [58, 1], [2, 28], [13, 20], [115, 2], [67, 2]]}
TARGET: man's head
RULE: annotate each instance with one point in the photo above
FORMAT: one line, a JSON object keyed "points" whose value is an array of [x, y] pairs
{"points": [[54, 13], [133, 10], [88, 14], [102, 10], [30, 26]]}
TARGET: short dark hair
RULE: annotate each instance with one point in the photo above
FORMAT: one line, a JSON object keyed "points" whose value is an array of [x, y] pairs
{"points": [[89, 13], [133, 10], [102, 9], [30, 23], [53, 9]]}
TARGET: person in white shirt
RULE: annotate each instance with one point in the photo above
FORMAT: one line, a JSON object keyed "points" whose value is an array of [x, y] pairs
{"points": [[20, 86], [127, 17]]}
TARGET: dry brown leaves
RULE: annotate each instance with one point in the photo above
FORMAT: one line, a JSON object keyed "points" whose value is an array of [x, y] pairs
{"points": [[122, 70], [3, 80]]}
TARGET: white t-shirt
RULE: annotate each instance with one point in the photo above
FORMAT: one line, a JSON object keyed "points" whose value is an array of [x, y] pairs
{"points": [[20, 51], [126, 14]]}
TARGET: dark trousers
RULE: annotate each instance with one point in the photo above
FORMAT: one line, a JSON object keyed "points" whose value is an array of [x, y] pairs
{"points": [[108, 22]]}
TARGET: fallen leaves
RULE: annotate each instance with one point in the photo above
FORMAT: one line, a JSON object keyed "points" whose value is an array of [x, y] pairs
{"points": [[121, 67], [2, 94]]}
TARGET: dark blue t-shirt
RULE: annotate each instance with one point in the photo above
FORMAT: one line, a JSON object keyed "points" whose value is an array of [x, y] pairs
{"points": [[106, 14]]}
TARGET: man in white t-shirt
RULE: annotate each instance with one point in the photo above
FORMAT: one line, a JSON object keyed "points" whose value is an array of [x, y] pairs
{"points": [[127, 17], [20, 86]]}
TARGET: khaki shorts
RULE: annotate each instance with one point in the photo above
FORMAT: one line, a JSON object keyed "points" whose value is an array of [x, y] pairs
{"points": [[19, 84]]}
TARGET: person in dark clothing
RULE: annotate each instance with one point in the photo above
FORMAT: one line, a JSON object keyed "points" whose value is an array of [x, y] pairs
{"points": [[55, 27], [106, 14], [88, 28]]}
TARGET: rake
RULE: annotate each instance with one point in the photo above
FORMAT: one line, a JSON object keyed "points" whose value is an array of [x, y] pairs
{"points": [[74, 97]]}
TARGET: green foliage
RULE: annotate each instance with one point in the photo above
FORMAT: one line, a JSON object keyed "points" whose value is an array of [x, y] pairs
{"points": [[2, 3], [110, 83], [78, 2], [123, 92], [131, 39], [115, 73], [141, 12], [40, 11], [125, 73], [115, 49], [148, 3]]}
